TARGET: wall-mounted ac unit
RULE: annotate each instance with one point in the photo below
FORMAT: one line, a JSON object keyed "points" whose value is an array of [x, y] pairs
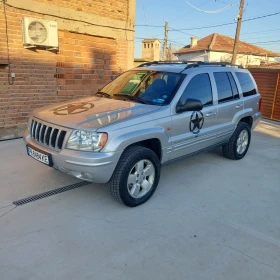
{"points": [[38, 32]]}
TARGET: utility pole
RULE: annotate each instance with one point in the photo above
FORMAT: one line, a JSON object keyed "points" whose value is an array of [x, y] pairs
{"points": [[237, 34], [165, 41]]}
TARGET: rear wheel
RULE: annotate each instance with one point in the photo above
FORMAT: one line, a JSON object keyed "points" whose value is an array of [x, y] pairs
{"points": [[136, 176], [239, 142]]}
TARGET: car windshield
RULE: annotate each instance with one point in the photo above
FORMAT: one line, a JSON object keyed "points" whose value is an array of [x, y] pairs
{"points": [[149, 87]]}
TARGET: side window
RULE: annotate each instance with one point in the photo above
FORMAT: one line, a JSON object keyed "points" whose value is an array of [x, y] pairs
{"points": [[246, 83], [233, 86], [199, 87], [223, 87]]}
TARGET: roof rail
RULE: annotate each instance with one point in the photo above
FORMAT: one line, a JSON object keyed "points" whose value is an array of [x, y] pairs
{"points": [[164, 62], [222, 64], [191, 64]]}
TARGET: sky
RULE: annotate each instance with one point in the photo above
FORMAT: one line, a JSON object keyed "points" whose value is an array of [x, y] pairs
{"points": [[180, 15]]}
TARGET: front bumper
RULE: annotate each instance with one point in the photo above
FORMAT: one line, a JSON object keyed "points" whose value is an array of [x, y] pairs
{"points": [[96, 167]]}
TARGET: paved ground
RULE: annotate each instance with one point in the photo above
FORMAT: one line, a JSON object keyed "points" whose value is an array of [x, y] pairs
{"points": [[210, 218]]}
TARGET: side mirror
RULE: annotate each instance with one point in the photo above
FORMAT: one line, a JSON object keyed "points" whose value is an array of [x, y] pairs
{"points": [[190, 105]]}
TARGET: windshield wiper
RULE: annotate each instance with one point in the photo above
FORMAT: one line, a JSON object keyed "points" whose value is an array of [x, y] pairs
{"points": [[133, 98], [140, 100], [103, 94]]}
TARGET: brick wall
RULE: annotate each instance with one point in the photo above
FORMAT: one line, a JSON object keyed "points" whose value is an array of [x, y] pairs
{"points": [[106, 8], [83, 64]]}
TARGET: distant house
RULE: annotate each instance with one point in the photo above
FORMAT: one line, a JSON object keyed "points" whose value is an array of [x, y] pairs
{"points": [[218, 48], [150, 51]]}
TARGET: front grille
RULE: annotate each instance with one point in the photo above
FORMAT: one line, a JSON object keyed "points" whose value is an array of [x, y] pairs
{"points": [[47, 135]]}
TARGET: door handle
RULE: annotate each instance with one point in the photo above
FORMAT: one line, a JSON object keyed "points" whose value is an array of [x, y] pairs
{"points": [[210, 114], [238, 106]]}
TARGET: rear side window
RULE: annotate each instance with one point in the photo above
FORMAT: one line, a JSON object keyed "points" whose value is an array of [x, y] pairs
{"points": [[226, 86], [246, 83], [199, 87], [233, 86]]}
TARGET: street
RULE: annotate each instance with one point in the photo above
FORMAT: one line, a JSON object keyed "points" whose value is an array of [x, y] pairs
{"points": [[210, 218]]}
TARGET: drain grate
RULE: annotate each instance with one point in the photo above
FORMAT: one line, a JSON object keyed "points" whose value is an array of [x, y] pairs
{"points": [[49, 193]]}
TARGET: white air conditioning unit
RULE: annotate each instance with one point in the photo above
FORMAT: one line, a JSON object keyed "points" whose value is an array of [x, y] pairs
{"points": [[38, 32]]}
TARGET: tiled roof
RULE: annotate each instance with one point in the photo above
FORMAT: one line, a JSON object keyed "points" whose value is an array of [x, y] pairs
{"points": [[218, 42]]}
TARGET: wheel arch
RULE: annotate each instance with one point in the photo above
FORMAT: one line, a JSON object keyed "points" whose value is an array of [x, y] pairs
{"points": [[248, 120], [153, 144]]}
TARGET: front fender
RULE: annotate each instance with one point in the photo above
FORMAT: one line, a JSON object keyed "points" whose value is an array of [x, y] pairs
{"points": [[122, 141]]}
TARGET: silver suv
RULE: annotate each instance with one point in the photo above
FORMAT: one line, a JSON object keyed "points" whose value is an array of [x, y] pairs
{"points": [[147, 116]]}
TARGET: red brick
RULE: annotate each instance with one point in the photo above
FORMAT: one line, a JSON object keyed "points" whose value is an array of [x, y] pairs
{"points": [[83, 64]]}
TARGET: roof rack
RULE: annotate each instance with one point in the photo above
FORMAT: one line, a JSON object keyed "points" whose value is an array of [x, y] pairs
{"points": [[201, 63], [191, 64], [162, 62]]}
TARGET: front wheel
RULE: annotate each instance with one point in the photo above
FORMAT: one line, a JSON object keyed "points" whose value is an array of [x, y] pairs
{"points": [[136, 176], [239, 142]]}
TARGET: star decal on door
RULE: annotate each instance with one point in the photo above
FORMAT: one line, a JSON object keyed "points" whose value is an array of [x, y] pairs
{"points": [[196, 122]]}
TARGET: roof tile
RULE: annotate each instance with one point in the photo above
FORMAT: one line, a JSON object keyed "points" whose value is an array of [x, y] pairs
{"points": [[222, 43]]}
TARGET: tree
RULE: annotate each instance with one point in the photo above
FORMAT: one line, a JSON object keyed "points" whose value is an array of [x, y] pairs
{"points": [[170, 53]]}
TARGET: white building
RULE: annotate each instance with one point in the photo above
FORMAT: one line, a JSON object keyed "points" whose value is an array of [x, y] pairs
{"points": [[219, 48]]}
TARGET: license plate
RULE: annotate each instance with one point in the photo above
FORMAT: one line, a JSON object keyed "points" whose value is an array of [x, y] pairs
{"points": [[40, 156]]}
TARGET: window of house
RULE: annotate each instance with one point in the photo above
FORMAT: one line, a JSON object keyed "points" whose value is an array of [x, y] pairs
{"points": [[199, 87], [226, 86], [246, 83], [144, 46], [152, 45], [148, 46]]}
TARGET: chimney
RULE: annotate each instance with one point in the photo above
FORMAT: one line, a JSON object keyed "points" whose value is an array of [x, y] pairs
{"points": [[193, 41]]}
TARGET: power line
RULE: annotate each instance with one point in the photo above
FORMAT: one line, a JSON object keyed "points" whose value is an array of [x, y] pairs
{"points": [[147, 25], [179, 30], [260, 37], [269, 15], [266, 42], [10, 80], [177, 43], [229, 23], [228, 6], [270, 30], [203, 27], [189, 12]]}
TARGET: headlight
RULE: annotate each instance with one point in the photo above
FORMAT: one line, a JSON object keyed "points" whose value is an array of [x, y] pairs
{"points": [[86, 140]]}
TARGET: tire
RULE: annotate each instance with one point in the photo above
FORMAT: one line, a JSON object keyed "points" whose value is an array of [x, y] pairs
{"points": [[232, 149], [127, 170]]}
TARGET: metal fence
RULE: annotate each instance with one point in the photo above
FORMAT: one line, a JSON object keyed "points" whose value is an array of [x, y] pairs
{"points": [[268, 81]]}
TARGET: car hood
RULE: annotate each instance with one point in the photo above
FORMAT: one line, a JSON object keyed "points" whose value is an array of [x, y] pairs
{"points": [[92, 112]]}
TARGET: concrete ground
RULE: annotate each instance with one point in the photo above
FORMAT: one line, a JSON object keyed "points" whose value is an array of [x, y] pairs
{"points": [[210, 218]]}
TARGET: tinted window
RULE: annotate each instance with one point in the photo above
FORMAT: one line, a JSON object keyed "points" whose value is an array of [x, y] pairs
{"points": [[223, 86], [150, 86], [199, 88], [247, 85], [233, 86]]}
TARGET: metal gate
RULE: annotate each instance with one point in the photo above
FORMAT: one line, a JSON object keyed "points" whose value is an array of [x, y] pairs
{"points": [[275, 115], [268, 81]]}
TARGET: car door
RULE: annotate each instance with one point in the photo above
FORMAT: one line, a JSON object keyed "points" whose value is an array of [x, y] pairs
{"points": [[193, 131], [230, 106]]}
